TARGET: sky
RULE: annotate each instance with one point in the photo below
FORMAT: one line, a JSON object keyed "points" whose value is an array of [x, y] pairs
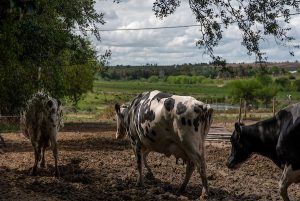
{"points": [[171, 46]]}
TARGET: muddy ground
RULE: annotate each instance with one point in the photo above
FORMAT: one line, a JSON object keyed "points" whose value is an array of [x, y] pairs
{"points": [[96, 166]]}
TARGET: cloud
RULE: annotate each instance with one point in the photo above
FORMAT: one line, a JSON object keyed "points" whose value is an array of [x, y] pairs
{"points": [[171, 46]]}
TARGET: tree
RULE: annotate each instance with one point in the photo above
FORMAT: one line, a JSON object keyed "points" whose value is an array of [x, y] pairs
{"points": [[267, 93], [38, 49], [245, 89], [283, 83], [254, 18], [264, 79]]}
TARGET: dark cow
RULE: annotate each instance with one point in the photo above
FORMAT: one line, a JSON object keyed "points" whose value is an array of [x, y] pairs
{"points": [[168, 124], [40, 122], [277, 138]]}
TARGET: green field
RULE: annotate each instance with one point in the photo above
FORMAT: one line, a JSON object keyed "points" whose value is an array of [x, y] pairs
{"points": [[99, 103]]}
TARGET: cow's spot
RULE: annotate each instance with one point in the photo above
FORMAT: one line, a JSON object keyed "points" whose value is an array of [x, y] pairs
{"points": [[181, 108], [153, 133], [196, 123], [160, 96], [150, 116], [189, 122], [169, 104], [198, 108], [183, 121]]}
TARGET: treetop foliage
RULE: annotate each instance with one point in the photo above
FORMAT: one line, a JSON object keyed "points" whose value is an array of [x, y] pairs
{"points": [[39, 50], [254, 18]]}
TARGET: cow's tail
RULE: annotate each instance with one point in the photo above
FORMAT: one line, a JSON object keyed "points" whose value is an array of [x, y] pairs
{"points": [[205, 115]]}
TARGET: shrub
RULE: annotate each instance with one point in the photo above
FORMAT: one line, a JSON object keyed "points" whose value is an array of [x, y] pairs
{"points": [[245, 89], [153, 78], [296, 84], [283, 83]]}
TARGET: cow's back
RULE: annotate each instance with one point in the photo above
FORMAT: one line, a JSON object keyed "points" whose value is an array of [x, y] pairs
{"points": [[42, 113]]}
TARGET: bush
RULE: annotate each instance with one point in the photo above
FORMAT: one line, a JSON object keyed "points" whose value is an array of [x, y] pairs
{"points": [[292, 77], [264, 79], [153, 78], [245, 89], [296, 84], [283, 83]]}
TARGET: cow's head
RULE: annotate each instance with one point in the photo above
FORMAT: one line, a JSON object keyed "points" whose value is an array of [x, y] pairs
{"points": [[240, 149], [55, 112], [121, 126]]}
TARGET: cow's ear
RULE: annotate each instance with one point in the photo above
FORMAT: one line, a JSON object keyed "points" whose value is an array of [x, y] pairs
{"points": [[49, 103], [58, 102], [117, 108], [237, 127]]}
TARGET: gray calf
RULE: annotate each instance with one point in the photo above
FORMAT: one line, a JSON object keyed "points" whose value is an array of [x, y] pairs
{"points": [[40, 122]]}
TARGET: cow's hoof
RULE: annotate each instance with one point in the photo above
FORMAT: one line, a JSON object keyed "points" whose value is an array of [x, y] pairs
{"points": [[33, 173], [139, 184], [181, 190], [150, 176], [57, 174], [204, 196]]}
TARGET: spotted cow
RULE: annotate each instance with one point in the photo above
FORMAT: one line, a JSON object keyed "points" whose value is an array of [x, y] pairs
{"points": [[168, 124], [40, 122], [276, 138]]}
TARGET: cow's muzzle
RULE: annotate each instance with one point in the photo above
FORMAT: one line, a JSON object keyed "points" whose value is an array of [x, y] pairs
{"points": [[231, 163]]}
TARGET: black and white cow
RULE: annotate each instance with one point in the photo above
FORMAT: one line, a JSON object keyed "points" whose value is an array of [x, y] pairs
{"points": [[40, 122], [168, 124], [277, 138]]}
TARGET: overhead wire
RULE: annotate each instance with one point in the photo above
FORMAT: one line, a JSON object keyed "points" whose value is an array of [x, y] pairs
{"points": [[163, 27]]}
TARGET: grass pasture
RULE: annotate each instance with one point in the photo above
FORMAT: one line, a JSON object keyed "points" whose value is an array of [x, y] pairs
{"points": [[99, 104]]}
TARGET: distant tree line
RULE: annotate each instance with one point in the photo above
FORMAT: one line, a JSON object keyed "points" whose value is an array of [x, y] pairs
{"points": [[206, 70]]}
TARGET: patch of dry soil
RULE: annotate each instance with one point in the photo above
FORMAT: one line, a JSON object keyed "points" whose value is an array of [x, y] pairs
{"points": [[96, 166]]}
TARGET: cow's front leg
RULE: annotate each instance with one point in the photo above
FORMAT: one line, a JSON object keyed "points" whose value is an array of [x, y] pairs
{"points": [[190, 167], [139, 161], [285, 182], [55, 154]]}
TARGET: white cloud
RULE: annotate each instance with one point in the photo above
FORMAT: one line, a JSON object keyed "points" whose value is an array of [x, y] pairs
{"points": [[171, 46]]}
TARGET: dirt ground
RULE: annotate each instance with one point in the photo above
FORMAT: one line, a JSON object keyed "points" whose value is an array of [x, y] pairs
{"points": [[96, 166]]}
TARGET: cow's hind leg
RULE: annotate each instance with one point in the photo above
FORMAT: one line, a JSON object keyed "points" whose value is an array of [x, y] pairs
{"points": [[139, 161], [36, 161], [198, 159], [288, 177], [43, 164], [190, 167], [149, 174], [55, 154]]}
